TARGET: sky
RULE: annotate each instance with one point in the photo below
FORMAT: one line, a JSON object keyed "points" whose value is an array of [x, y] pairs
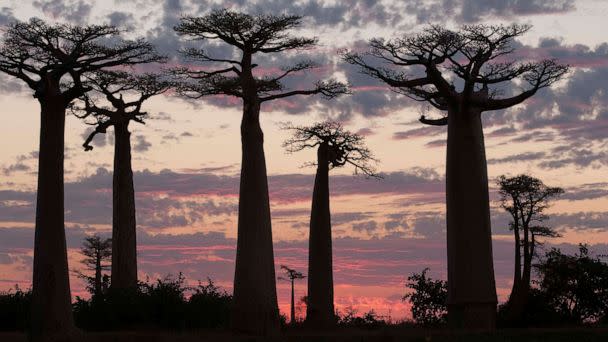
{"points": [[186, 157]]}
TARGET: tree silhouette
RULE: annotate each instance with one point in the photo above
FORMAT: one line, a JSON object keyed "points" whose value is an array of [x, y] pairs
{"points": [[51, 60], [575, 285], [255, 307], [433, 63], [97, 252], [291, 276], [525, 198], [116, 87], [336, 147], [428, 299]]}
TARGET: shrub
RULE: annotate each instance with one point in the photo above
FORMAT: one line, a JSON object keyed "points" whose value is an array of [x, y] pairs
{"points": [[14, 309]]}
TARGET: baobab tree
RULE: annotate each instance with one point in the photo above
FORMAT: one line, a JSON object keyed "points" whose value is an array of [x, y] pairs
{"points": [[336, 147], [255, 307], [97, 252], [125, 94], [464, 73], [291, 276], [525, 198], [51, 60]]}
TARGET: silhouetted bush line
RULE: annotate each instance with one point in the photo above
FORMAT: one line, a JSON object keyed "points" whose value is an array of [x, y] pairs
{"points": [[165, 304], [14, 309], [571, 290]]}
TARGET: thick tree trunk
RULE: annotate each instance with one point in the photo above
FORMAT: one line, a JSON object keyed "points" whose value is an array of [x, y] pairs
{"points": [[124, 241], [255, 308], [51, 300], [320, 306], [471, 286]]}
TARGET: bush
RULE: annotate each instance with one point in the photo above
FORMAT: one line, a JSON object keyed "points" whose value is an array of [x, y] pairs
{"points": [[369, 320], [14, 309], [429, 299], [160, 305]]}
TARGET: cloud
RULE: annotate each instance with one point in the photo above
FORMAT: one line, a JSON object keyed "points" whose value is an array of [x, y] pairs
{"points": [[141, 144], [367, 226], [76, 11], [527, 156], [471, 11]]}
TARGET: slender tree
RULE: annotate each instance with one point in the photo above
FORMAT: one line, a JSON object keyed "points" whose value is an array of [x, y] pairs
{"points": [[463, 73], [255, 307], [336, 147], [116, 87], [51, 60], [525, 198], [291, 276], [97, 252]]}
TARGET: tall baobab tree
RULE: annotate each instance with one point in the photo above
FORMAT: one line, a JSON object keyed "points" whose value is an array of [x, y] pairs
{"points": [[51, 60], [292, 275], [463, 73], [125, 93], [336, 147], [97, 252], [255, 307], [525, 198]]}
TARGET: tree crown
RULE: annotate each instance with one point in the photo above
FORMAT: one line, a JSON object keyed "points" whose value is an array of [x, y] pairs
{"points": [[291, 274], [263, 33], [115, 87], [42, 55], [475, 55], [344, 147], [526, 198]]}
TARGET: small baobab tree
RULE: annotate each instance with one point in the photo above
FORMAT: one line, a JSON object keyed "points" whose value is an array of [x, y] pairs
{"points": [[255, 307], [464, 73], [124, 95], [336, 147], [525, 198], [291, 276], [52, 60], [97, 252]]}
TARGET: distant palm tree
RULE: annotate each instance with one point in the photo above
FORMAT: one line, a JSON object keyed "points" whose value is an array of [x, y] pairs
{"points": [[292, 276]]}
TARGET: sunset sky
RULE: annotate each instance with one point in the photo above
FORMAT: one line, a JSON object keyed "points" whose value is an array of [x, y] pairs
{"points": [[187, 157]]}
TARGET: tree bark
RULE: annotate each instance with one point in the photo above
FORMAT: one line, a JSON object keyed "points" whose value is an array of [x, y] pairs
{"points": [[320, 306], [471, 286], [124, 241], [52, 317], [255, 308]]}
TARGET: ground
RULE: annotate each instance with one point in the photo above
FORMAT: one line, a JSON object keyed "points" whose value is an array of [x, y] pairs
{"points": [[351, 335]]}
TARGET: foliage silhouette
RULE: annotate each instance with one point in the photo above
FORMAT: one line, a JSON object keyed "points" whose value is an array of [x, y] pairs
{"points": [[165, 304], [14, 309], [431, 65], [52, 60], [525, 198], [429, 299], [96, 252], [336, 147], [125, 93], [575, 285], [255, 302], [369, 320]]}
